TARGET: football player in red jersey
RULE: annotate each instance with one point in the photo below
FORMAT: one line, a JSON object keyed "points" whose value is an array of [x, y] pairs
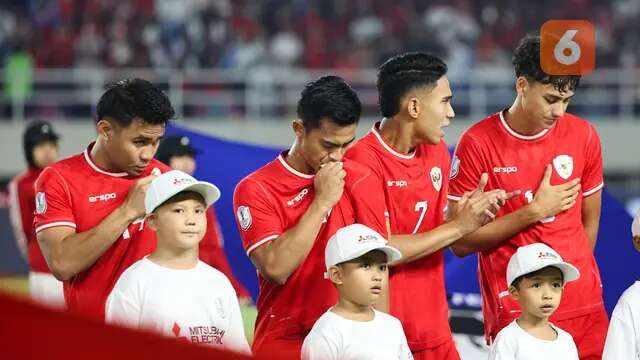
{"points": [[554, 158], [90, 207], [410, 160], [287, 210], [40, 144]]}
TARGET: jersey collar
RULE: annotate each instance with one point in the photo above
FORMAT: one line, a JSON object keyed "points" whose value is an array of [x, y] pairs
{"points": [[518, 135], [290, 169], [375, 132], [95, 167]]}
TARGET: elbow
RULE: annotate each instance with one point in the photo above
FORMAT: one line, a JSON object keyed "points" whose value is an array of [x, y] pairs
{"points": [[274, 275], [460, 251], [60, 269]]}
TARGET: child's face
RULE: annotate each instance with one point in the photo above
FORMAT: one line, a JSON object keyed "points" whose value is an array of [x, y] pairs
{"points": [[363, 279], [539, 295], [180, 222]]}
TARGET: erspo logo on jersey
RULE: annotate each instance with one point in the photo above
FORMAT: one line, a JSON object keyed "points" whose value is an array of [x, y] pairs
{"points": [[505, 169], [298, 197], [102, 197]]}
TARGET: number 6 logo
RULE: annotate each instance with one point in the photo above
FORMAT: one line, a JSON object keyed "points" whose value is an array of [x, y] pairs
{"points": [[567, 47]]}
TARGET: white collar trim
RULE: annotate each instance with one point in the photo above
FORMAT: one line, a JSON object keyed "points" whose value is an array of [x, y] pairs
{"points": [[96, 168], [389, 149], [520, 136], [292, 170]]}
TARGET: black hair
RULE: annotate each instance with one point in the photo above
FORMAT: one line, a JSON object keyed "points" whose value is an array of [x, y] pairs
{"points": [[517, 280], [331, 98], [135, 98], [36, 133], [403, 73], [526, 62]]}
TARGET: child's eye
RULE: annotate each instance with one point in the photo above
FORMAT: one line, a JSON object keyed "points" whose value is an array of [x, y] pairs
{"points": [[178, 210], [383, 267], [199, 211], [366, 266], [557, 285], [536, 285]]}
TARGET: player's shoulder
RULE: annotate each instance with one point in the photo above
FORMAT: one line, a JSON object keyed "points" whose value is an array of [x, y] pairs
{"points": [[576, 123], [261, 175], [70, 164], [484, 128], [365, 144]]}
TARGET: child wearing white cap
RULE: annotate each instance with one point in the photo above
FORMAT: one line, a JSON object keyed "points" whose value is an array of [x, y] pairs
{"points": [[536, 275], [171, 292], [356, 259], [623, 337]]}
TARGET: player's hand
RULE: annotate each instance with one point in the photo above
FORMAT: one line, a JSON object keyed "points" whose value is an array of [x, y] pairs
{"points": [[329, 184], [550, 200], [134, 203]]}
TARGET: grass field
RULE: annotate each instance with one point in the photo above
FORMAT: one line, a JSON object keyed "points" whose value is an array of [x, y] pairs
{"points": [[19, 285]]}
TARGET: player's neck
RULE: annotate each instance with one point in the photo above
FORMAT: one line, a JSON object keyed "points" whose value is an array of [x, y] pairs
{"points": [[100, 157], [296, 161], [536, 326], [352, 311], [175, 258], [518, 120], [399, 134]]}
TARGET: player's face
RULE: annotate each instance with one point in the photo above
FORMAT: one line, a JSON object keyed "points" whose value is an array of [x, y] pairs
{"points": [[364, 278], [180, 223], [543, 103], [131, 148], [44, 154], [324, 144], [434, 112], [183, 163], [540, 295]]}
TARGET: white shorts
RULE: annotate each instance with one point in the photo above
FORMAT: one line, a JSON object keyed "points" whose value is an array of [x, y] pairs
{"points": [[45, 289]]}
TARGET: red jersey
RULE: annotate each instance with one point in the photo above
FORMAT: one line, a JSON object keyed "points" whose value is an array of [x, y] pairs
{"points": [[517, 162], [414, 187], [270, 201], [211, 251], [22, 204], [76, 193]]}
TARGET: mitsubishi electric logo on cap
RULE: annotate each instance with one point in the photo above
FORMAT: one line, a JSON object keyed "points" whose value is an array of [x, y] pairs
{"points": [[182, 181], [367, 238], [547, 255]]}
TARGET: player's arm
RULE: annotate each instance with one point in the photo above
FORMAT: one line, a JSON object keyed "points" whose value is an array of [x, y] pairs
{"points": [[276, 260], [591, 206], [548, 201], [476, 209], [68, 253], [18, 217]]}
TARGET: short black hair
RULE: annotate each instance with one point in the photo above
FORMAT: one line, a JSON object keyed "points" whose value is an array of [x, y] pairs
{"points": [[526, 62], [328, 97], [135, 98], [517, 280], [405, 72]]}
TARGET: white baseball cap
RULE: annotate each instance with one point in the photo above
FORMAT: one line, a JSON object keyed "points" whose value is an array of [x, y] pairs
{"points": [[635, 226], [533, 257], [172, 182], [353, 241]]}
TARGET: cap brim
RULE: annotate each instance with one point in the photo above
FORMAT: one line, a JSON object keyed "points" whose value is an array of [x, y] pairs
{"points": [[570, 272], [210, 193], [392, 253]]}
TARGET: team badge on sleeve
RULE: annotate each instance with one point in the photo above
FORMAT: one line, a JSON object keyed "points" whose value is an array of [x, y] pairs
{"points": [[455, 167], [244, 217], [563, 165], [41, 203], [436, 178]]}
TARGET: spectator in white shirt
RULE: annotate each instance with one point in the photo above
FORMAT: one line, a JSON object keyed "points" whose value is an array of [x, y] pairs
{"points": [[536, 275], [171, 292], [623, 338], [356, 258]]}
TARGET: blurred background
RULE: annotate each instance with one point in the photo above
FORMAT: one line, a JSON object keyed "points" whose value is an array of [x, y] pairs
{"points": [[234, 69]]}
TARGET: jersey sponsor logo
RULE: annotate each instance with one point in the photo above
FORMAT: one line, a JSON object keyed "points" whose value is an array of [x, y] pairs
{"points": [[436, 178], [298, 197], [455, 167], [563, 165], [397, 183], [41, 203], [244, 217], [505, 169], [102, 197]]}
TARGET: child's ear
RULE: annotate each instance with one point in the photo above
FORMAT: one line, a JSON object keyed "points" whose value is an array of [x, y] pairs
{"points": [[152, 221], [514, 292], [335, 275], [636, 242]]}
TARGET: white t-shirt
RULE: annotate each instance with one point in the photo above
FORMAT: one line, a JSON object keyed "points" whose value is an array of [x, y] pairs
{"points": [[623, 338], [198, 305], [334, 337], [514, 343]]}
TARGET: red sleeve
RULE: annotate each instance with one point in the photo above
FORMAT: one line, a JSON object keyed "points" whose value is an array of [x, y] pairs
{"points": [[466, 168], [592, 178], [53, 201], [255, 215], [212, 252]]}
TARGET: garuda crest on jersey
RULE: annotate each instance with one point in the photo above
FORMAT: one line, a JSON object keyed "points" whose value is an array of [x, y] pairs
{"points": [[563, 165]]}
